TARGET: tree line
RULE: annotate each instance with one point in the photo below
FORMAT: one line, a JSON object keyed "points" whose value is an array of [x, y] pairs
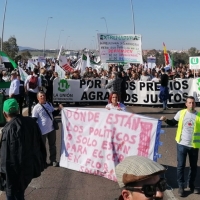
{"points": [[177, 57]]}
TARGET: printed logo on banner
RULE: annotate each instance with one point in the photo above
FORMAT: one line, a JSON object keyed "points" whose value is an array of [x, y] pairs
{"points": [[194, 61], [63, 85], [117, 37], [198, 83]]}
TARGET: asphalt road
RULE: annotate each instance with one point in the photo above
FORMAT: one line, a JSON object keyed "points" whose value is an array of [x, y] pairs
{"points": [[58, 183]]}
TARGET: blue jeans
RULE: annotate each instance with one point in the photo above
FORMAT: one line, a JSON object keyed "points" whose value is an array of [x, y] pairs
{"points": [[32, 97], [17, 196], [182, 152], [164, 104]]}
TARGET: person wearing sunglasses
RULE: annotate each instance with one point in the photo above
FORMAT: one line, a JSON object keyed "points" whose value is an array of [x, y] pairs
{"points": [[139, 179]]}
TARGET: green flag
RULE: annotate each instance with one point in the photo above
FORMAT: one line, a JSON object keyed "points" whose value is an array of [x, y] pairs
{"points": [[6, 59]]}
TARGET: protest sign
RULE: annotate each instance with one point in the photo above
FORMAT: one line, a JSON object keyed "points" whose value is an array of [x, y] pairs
{"points": [[94, 141], [114, 48], [138, 92], [42, 59], [194, 62], [151, 62], [63, 63]]}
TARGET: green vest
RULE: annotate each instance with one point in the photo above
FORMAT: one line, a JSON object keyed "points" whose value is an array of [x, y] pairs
{"points": [[196, 131]]}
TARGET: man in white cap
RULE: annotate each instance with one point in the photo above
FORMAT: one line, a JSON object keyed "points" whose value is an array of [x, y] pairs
{"points": [[139, 179]]}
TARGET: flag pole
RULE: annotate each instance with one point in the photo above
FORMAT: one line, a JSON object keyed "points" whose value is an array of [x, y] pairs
{"points": [[3, 25], [59, 53]]}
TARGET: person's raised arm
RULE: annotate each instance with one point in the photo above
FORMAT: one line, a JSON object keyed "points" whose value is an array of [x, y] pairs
{"points": [[170, 122]]}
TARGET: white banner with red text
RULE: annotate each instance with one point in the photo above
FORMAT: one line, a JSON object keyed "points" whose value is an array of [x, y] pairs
{"points": [[95, 140], [115, 48]]}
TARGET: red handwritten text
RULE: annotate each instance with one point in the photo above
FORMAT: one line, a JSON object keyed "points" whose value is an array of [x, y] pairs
{"points": [[83, 116], [111, 133], [145, 139]]}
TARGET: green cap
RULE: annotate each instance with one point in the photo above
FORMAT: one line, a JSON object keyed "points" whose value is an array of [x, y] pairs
{"points": [[10, 106]]}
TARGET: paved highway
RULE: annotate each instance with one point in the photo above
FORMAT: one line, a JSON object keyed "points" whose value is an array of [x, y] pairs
{"points": [[63, 184]]}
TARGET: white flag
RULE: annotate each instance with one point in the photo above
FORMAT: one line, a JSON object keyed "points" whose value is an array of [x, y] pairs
{"points": [[78, 64], [88, 60], [30, 64], [23, 74], [42, 64], [60, 71]]}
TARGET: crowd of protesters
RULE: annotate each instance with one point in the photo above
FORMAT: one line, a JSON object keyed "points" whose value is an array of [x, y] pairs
{"points": [[134, 72]]}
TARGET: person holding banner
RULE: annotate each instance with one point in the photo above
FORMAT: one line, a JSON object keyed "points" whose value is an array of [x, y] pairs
{"points": [[188, 142], [139, 179], [113, 102], [115, 84]]}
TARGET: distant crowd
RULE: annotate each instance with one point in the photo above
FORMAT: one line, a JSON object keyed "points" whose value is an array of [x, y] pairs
{"points": [[133, 73]]}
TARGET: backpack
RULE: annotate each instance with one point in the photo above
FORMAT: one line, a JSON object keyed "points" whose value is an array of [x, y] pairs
{"points": [[33, 82]]}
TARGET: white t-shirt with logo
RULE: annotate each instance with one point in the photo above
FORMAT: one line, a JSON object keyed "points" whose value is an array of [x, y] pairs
{"points": [[188, 127], [43, 119]]}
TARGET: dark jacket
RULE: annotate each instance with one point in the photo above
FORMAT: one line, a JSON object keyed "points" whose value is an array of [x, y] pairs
{"points": [[23, 154], [164, 79], [21, 88], [115, 85]]}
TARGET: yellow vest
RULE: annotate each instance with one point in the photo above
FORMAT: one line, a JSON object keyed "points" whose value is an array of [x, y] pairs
{"points": [[196, 131]]}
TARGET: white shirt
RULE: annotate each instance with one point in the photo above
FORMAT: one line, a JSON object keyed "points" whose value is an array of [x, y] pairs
{"points": [[6, 78], [36, 90], [14, 87], [155, 79], [188, 127], [43, 119], [145, 78], [111, 106]]}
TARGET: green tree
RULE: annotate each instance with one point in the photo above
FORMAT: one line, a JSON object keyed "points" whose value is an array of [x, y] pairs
{"points": [[153, 53], [193, 52], [26, 55], [180, 58], [10, 47]]}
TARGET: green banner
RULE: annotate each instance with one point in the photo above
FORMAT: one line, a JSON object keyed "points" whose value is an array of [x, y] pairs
{"points": [[4, 84]]}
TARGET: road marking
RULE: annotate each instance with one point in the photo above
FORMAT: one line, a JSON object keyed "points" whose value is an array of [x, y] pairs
{"points": [[170, 195]]}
